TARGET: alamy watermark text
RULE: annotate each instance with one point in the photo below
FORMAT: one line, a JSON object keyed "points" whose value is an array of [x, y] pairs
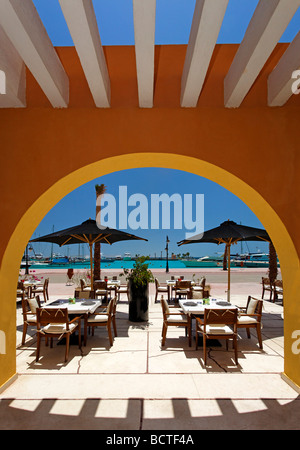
{"points": [[164, 211]]}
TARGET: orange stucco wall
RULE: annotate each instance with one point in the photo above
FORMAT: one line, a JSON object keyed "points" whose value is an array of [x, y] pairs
{"points": [[257, 144]]}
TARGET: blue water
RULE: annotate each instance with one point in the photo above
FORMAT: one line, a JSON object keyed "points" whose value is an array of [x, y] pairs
{"points": [[118, 264]]}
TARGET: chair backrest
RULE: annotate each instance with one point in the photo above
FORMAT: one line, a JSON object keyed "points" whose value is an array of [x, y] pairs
{"points": [[156, 282], [46, 282], [278, 283], [25, 307], [254, 306], [202, 282], [29, 306], [115, 278], [265, 281], [85, 294], [183, 284], [45, 316], [114, 306], [110, 307], [165, 308], [21, 285], [82, 284], [100, 285], [220, 316]]}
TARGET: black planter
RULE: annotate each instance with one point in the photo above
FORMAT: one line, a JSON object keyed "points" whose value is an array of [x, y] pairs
{"points": [[138, 298]]}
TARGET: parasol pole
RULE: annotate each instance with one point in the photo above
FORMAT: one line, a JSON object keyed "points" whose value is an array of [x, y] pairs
{"points": [[228, 269], [91, 263]]}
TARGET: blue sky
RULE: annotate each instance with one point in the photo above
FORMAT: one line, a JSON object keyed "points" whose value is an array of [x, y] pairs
{"points": [[219, 205], [173, 21]]}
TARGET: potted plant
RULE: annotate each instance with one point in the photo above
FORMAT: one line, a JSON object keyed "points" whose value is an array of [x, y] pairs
{"points": [[138, 290]]}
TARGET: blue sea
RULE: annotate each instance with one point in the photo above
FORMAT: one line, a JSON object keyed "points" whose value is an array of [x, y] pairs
{"points": [[117, 264]]}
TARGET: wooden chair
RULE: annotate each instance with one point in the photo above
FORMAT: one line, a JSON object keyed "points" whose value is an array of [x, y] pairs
{"points": [[84, 286], [218, 323], [159, 289], [173, 318], [198, 289], [41, 290], [103, 310], [250, 317], [111, 290], [29, 307], [54, 323], [102, 319], [122, 289], [100, 289], [266, 287], [172, 290], [277, 289], [183, 288], [22, 292], [206, 291]]}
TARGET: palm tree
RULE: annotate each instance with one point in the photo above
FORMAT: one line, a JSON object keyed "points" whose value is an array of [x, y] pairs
{"points": [[273, 270], [100, 190]]}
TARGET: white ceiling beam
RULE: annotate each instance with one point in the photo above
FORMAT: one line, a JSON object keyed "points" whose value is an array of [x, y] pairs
{"points": [[280, 80], [144, 34], [207, 21], [13, 75], [82, 24], [24, 28], [266, 27]]}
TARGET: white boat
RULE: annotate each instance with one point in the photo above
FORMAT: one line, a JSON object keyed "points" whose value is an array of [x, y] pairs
{"points": [[127, 256], [40, 263], [204, 261], [254, 260], [38, 256]]}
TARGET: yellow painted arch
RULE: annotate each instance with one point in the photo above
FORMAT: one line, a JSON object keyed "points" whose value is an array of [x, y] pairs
{"points": [[285, 248]]}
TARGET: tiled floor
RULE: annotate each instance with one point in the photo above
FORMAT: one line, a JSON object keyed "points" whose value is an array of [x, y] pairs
{"points": [[138, 385]]}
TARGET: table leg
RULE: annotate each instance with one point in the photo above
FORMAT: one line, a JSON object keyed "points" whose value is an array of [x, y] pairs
{"points": [[190, 329], [85, 316], [169, 293]]}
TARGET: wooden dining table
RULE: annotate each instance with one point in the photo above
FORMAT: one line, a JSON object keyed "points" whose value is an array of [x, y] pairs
{"points": [[79, 306], [172, 283], [29, 284], [197, 307]]}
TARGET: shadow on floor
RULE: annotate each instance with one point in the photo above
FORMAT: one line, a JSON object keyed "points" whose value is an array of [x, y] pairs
{"points": [[89, 414]]}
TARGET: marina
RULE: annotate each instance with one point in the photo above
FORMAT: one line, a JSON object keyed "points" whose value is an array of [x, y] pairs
{"points": [[258, 260]]}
